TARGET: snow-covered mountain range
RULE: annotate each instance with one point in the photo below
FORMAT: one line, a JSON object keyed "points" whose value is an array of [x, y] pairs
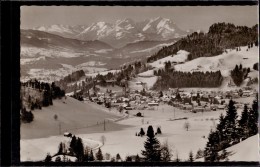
{"points": [[121, 32]]}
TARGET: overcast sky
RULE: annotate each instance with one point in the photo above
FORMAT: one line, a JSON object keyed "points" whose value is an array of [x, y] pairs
{"points": [[186, 17]]}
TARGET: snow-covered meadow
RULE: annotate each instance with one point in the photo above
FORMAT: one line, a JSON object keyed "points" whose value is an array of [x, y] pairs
{"points": [[121, 136]]}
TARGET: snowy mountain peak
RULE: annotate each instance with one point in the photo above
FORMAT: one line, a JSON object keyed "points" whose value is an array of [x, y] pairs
{"points": [[120, 32]]}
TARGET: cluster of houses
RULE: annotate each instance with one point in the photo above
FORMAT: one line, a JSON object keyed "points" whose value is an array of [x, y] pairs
{"points": [[195, 101]]}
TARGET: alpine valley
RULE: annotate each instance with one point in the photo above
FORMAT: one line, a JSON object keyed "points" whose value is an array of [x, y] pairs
{"points": [[58, 50]]}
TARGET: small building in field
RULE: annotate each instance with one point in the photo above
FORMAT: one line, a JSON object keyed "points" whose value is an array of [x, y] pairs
{"points": [[187, 107], [153, 104]]}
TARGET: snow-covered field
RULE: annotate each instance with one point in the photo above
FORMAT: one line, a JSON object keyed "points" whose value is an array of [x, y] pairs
{"points": [[102, 73], [48, 75], [224, 62], [181, 141], [121, 138], [72, 115], [150, 81], [103, 51], [37, 149], [181, 56], [35, 52], [153, 49]]}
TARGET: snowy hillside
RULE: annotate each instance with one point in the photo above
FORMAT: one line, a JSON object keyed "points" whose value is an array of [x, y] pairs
{"points": [[224, 62], [38, 152], [247, 150], [181, 56], [72, 114]]}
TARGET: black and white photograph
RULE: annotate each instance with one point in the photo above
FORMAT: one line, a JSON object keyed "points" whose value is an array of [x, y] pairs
{"points": [[139, 84]]}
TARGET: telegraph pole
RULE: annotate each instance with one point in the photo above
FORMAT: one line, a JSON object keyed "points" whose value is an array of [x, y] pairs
{"points": [[104, 125], [59, 128]]}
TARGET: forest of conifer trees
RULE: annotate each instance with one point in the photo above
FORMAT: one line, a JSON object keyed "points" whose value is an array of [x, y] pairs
{"points": [[221, 36]]}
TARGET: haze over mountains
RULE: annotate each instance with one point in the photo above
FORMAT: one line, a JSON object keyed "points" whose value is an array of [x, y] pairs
{"points": [[96, 47], [121, 32]]}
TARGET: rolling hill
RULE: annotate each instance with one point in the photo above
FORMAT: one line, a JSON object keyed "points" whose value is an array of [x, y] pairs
{"points": [[72, 115]]}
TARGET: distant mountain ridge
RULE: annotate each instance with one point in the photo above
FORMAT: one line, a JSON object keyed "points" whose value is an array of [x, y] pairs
{"points": [[121, 32], [42, 39]]}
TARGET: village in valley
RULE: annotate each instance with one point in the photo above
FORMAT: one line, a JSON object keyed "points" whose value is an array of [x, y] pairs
{"points": [[191, 99]]}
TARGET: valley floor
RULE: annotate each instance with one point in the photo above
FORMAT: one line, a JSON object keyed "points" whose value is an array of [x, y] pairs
{"points": [[120, 136]]}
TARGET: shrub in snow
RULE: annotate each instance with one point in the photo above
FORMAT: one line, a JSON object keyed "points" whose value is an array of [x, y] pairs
{"points": [[113, 159], [103, 139], [139, 114], [48, 158], [141, 133], [99, 155], [26, 116], [107, 156], [55, 117], [187, 125], [128, 159], [57, 159], [191, 159], [159, 130], [118, 157], [199, 154], [137, 158], [166, 152]]}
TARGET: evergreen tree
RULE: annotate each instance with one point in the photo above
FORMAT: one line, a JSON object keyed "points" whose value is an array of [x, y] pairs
{"points": [[86, 155], [191, 159], [152, 150], [79, 149], [211, 150], [231, 122], [224, 155], [253, 118], [58, 159], [161, 94], [61, 149], [220, 130], [177, 159], [73, 143], [99, 155], [137, 158], [48, 158], [159, 130], [45, 101], [91, 156], [142, 132], [243, 122], [255, 66]]}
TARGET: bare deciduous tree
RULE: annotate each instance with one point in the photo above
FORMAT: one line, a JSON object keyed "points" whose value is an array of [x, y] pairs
{"points": [[55, 117], [166, 152], [103, 139], [187, 125]]}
